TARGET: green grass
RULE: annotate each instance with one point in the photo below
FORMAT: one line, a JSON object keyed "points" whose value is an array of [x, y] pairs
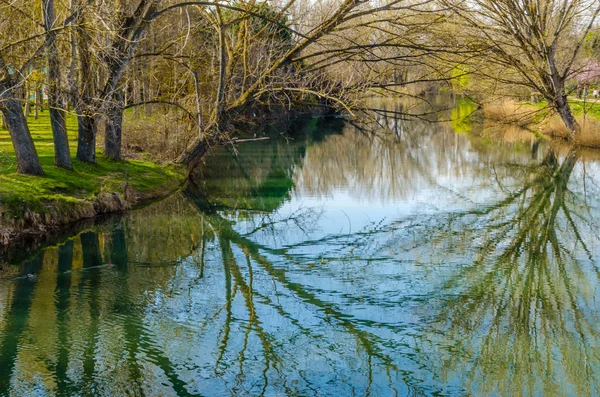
{"points": [[61, 187], [590, 108]]}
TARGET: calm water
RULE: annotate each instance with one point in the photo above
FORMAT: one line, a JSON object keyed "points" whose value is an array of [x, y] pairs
{"points": [[339, 260]]}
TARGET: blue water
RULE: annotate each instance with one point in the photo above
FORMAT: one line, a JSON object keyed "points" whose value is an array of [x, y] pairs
{"points": [[409, 259]]}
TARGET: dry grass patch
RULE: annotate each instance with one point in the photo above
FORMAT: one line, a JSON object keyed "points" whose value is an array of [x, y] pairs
{"points": [[538, 119], [588, 136], [163, 135], [554, 127], [511, 112]]}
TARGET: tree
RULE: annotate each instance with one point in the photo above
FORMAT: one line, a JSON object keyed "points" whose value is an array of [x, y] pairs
{"points": [[28, 161], [99, 59], [13, 66], [304, 67], [532, 44], [62, 154]]}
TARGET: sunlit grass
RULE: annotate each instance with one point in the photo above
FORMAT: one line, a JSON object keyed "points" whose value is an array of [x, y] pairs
{"points": [[537, 117], [589, 108], [85, 182]]}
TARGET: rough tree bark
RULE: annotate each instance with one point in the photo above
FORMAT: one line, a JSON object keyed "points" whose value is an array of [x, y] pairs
{"points": [[114, 128], [28, 161], [192, 156], [87, 126], [62, 154], [87, 122], [92, 102], [560, 103], [564, 110]]}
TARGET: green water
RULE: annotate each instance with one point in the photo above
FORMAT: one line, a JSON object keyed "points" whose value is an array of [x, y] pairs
{"points": [[339, 260]]}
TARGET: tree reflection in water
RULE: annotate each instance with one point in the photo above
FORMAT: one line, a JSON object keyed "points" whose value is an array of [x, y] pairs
{"points": [[266, 277], [526, 312]]}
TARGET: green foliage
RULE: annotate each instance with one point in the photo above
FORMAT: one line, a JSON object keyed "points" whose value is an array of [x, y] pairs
{"points": [[591, 44], [460, 77], [461, 115], [591, 109]]}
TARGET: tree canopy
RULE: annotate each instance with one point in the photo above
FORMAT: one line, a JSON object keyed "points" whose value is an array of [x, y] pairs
{"points": [[219, 61]]}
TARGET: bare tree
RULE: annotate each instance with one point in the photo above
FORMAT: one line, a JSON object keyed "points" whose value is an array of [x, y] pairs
{"points": [[16, 53], [302, 68], [28, 161], [526, 43], [62, 155], [99, 58]]}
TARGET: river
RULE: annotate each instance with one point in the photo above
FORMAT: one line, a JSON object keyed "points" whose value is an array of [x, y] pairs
{"points": [[382, 257]]}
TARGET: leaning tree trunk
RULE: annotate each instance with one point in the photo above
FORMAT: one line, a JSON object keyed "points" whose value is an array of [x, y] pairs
{"points": [[564, 110], [114, 128], [86, 138], [559, 97], [193, 154], [28, 161], [62, 154], [210, 136]]}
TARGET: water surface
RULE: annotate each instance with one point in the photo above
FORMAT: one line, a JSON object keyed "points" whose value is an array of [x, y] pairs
{"points": [[339, 259]]}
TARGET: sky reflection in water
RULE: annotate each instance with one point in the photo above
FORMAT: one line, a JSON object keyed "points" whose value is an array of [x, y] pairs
{"points": [[420, 260]]}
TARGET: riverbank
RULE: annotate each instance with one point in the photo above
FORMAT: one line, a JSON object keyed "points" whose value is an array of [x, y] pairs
{"points": [[537, 118], [32, 206]]}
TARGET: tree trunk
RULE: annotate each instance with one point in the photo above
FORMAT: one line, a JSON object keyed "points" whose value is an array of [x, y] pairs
{"points": [[87, 121], [198, 105], [27, 106], [147, 96], [41, 96], [62, 154], [36, 110], [114, 129], [564, 110], [137, 94], [198, 148], [147, 89], [86, 138], [193, 154], [28, 161], [561, 103], [222, 75]]}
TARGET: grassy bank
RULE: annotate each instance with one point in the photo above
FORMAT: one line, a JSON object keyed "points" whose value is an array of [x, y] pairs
{"points": [[33, 205], [537, 118], [580, 108]]}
